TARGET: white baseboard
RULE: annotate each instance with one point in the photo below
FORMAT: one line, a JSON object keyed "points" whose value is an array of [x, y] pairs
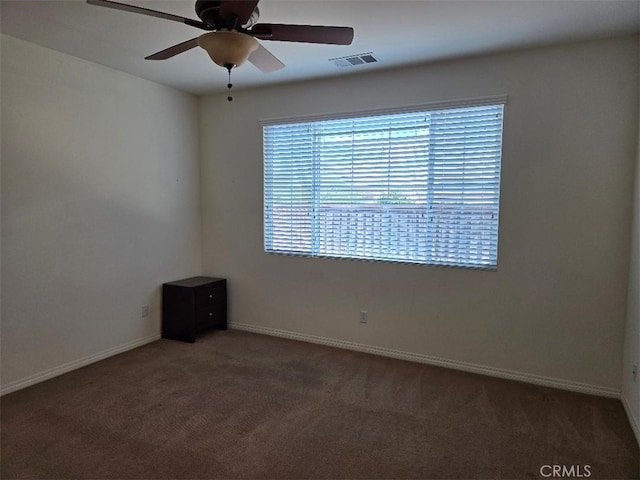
{"points": [[632, 419], [430, 360], [67, 367], [358, 347]]}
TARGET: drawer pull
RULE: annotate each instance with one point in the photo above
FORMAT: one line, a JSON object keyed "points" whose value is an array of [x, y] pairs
{"points": [[210, 296], [210, 314]]}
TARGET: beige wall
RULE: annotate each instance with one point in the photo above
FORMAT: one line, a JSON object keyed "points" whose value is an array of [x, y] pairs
{"points": [[631, 385], [556, 306], [100, 205]]}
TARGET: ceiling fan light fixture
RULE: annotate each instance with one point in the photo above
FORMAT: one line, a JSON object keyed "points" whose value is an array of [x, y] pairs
{"points": [[228, 47]]}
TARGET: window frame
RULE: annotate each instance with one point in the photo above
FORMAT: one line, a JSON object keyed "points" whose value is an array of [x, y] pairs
{"points": [[498, 100]]}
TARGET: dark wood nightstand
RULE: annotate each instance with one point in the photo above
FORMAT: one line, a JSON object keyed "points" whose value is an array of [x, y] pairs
{"points": [[192, 305]]}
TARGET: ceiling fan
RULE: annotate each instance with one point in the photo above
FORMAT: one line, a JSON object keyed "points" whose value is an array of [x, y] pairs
{"points": [[233, 32]]}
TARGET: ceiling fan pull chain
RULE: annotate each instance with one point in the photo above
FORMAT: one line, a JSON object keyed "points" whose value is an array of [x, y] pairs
{"points": [[229, 85]]}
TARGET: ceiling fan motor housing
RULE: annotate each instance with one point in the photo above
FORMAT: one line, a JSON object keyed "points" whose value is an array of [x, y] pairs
{"points": [[209, 12]]}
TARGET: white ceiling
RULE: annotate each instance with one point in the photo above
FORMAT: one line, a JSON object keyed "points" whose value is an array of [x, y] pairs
{"points": [[398, 32]]}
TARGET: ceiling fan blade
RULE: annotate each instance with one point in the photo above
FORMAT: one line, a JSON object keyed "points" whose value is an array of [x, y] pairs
{"points": [[151, 13], [303, 33], [240, 9], [265, 60], [175, 50]]}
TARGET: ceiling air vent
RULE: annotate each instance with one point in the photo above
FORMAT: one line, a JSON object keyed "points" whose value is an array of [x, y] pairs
{"points": [[354, 60]]}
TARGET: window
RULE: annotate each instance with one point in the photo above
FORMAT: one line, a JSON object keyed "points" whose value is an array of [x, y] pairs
{"points": [[420, 185]]}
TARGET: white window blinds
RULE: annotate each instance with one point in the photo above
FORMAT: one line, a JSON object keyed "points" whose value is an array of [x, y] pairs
{"points": [[418, 186]]}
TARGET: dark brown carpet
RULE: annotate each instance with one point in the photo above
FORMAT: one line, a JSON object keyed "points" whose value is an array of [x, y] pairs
{"points": [[241, 405]]}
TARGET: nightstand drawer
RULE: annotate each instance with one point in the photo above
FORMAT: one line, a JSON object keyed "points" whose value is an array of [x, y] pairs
{"points": [[211, 316], [210, 295]]}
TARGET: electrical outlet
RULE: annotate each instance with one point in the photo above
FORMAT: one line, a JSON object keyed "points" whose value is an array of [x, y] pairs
{"points": [[145, 310], [363, 316]]}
